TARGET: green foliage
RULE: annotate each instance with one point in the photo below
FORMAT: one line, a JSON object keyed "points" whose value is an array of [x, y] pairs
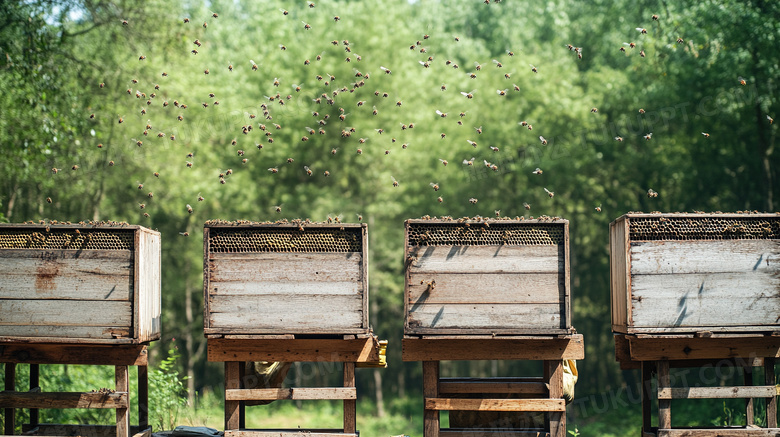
{"points": [[167, 394]]}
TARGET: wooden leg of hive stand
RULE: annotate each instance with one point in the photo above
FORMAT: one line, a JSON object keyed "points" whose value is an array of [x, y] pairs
{"points": [[121, 376], [430, 390], [350, 405], [10, 385], [664, 405], [242, 404], [647, 399], [557, 420], [143, 397], [747, 374], [771, 403], [232, 381], [35, 377]]}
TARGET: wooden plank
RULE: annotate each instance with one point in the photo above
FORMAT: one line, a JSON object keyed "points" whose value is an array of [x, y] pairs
{"points": [[431, 417], [9, 384], [286, 314], [719, 432], [651, 349], [479, 288], [261, 267], [529, 386], [486, 259], [491, 432], [289, 433], [79, 275], [63, 400], [283, 289], [318, 350], [701, 300], [65, 312], [623, 353], [206, 281], [747, 377], [493, 349], [528, 405], [771, 403], [232, 382], [110, 355], [316, 393], [50, 333], [619, 278], [475, 316], [738, 392], [61, 429], [567, 307], [557, 419], [350, 405], [122, 380], [698, 256], [364, 275], [664, 405], [147, 292]]}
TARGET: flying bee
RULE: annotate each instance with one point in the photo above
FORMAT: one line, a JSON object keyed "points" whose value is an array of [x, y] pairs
{"points": [[530, 127], [642, 53], [473, 75], [642, 30], [140, 185], [443, 135], [549, 193], [230, 67], [141, 205], [473, 200], [742, 80], [160, 134], [48, 200], [622, 49], [543, 140], [630, 44], [680, 40], [194, 51], [443, 162], [186, 20], [359, 151], [435, 186], [184, 234], [502, 92], [399, 103], [215, 15], [189, 164], [655, 17], [254, 66], [285, 12], [526, 206], [205, 25], [770, 119], [150, 195], [478, 129], [395, 182], [164, 74], [425, 64], [706, 135], [440, 199], [139, 143], [619, 138], [469, 161], [441, 114], [386, 70], [156, 174], [200, 198], [278, 208], [273, 170], [652, 193], [538, 171], [495, 149], [598, 208], [507, 75], [648, 136], [534, 69], [594, 110], [197, 43], [55, 170], [311, 5], [404, 146], [641, 111], [306, 25]]}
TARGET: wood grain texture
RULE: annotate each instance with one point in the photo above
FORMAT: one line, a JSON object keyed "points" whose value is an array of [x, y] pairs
{"points": [[285, 267], [232, 382], [431, 416], [122, 380], [60, 429], [481, 288], [147, 322], [110, 355], [719, 432], [651, 349], [63, 400], [727, 256], [350, 404], [66, 334], [771, 403], [316, 350], [664, 405], [65, 313], [486, 259], [557, 419], [493, 349], [478, 317], [738, 392], [528, 405], [296, 393], [619, 277]]}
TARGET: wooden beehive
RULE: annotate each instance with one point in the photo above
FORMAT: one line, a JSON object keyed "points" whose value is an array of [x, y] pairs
{"points": [[79, 284], [285, 279], [688, 273], [487, 277]]}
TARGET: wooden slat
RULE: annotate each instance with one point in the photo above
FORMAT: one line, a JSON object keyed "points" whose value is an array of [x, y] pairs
{"points": [[619, 278], [289, 433], [65, 312], [486, 259], [741, 392], [441, 318], [317, 350], [719, 432], [316, 393], [493, 349], [283, 289], [701, 300], [147, 293], [350, 405], [232, 382], [287, 313], [431, 417], [650, 349], [63, 400], [122, 380], [482, 288], [60, 429], [522, 386], [771, 403], [664, 405], [66, 274], [696, 256], [491, 432], [285, 267], [556, 419], [528, 405], [110, 355], [47, 333]]}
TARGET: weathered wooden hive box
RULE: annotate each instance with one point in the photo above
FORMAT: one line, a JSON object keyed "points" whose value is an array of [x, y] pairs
{"points": [[689, 273], [501, 277], [285, 279], [79, 284]]}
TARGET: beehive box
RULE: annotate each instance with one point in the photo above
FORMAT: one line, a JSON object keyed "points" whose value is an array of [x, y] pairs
{"points": [[79, 284], [285, 279], [688, 273], [487, 277]]}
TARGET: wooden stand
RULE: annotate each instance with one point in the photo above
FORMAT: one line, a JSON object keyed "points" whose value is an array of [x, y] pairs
{"points": [[544, 395], [657, 354], [120, 356], [234, 351]]}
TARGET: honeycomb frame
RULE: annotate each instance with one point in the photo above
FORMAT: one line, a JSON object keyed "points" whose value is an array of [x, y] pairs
{"points": [[66, 237], [656, 227], [485, 233], [276, 238]]}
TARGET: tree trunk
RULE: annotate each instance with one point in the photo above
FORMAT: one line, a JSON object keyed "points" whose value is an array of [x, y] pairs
{"points": [[380, 400]]}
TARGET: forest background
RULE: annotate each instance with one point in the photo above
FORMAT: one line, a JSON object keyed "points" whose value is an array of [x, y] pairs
{"points": [[705, 87]]}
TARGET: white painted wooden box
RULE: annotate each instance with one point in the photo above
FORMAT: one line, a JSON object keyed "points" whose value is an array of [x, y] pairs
{"points": [[285, 279], [688, 273], [79, 284], [502, 277]]}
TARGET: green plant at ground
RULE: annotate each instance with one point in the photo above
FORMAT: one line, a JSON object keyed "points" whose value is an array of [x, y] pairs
{"points": [[167, 394]]}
